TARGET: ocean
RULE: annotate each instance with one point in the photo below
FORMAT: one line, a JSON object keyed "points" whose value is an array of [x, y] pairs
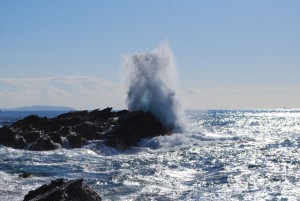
{"points": [[221, 155]]}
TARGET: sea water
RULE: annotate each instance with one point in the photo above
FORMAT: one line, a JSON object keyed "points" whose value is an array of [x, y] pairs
{"points": [[221, 155]]}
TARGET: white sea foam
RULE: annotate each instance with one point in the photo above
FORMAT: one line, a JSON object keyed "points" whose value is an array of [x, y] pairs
{"points": [[152, 77], [184, 140], [65, 143], [4, 180]]}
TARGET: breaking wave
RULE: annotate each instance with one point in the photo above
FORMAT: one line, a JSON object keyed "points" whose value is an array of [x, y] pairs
{"points": [[151, 75]]}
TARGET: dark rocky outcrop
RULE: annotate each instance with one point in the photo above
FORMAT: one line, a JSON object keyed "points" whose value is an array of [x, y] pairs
{"points": [[25, 175], [120, 129], [61, 190]]}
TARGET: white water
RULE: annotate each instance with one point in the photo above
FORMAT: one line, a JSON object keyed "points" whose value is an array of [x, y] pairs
{"points": [[223, 155], [151, 85]]}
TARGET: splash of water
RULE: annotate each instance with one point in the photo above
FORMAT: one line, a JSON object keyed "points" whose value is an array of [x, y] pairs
{"points": [[151, 75]]}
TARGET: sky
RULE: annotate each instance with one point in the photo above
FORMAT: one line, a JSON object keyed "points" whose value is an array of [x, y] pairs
{"points": [[232, 54]]}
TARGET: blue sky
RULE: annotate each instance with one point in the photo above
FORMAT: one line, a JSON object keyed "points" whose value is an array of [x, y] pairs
{"points": [[229, 54]]}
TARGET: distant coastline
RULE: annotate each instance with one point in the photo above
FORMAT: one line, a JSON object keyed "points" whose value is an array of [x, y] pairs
{"points": [[39, 108]]}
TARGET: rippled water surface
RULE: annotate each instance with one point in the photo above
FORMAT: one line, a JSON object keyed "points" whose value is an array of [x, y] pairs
{"points": [[222, 155]]}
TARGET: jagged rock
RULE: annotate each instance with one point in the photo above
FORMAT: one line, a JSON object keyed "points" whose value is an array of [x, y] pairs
{"points": [[9, 138], [64, 131], [71, 118], [61, 190], [121, 129], [87, 130], [76, 141], [55, 137], [132, 127], [20, 143], [33, 121], [25, 175], [101, 114], [32, 136], [44, 144]]}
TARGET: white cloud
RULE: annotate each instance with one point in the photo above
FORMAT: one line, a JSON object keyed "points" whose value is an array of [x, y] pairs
{"points": [[75, 91]]}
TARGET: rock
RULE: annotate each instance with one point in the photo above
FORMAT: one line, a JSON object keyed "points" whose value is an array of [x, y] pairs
{"points": [[121, 129], [44, 144], [64, 131], [76, 141], [132, 127], [25, 175], [33, 121], [9, 138], [19, 142], [101, 114], [31, 136], [87, 130], [55, 137], [61, 190], [71, 118]]}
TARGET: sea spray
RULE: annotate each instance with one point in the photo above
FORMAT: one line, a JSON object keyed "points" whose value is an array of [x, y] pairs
{"points": [[151, 75]]}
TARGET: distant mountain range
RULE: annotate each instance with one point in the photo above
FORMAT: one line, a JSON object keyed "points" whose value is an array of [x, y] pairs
{"points": [[39, 108]]}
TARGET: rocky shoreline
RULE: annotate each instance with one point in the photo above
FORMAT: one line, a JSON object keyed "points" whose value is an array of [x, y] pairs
{"points": [[62, 190], [121, 130]]}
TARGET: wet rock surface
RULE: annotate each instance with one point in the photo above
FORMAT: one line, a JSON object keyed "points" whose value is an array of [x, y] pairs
{"points": [[121, 129], [62, 190]]}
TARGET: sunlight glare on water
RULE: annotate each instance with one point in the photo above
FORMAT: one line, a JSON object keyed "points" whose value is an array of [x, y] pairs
{"points": [[222, 155]]}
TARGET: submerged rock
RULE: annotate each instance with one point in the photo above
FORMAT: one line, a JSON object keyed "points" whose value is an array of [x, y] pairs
{"points": [[25, 175], [121, 129], [61, 190]]}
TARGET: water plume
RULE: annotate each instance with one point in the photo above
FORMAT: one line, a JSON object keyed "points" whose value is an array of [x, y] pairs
{"points": [[151, 75]]}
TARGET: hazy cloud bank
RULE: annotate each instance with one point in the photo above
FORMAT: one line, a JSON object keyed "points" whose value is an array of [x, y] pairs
{"points": [[240, 98], [74, 91], [92, 92]]}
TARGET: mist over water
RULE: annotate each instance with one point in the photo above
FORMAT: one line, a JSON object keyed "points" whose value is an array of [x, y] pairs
{"points": [[151, 85]]}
